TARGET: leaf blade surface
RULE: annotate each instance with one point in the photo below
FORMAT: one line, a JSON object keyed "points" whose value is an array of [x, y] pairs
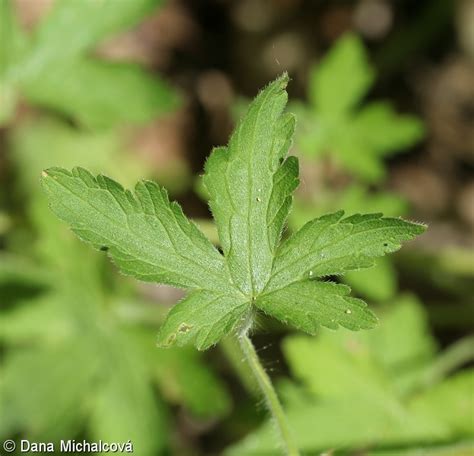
{"points": [[145, 234], [250, 186], [309, 304], [331, 245]]}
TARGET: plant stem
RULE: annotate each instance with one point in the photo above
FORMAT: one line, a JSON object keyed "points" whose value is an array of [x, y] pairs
{"points": [[268, 391], [453, 357], [232, 350]]}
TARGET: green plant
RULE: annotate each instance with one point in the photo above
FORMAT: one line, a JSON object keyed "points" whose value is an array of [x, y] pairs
{"points": [[338, 127], [88, 343], [378, 283], [84, 336], [250, 183], [382, 392], [53, 68], [334, 123]]}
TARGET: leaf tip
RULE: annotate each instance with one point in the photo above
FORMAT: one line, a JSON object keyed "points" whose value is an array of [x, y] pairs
{"points": [[420, 227]]}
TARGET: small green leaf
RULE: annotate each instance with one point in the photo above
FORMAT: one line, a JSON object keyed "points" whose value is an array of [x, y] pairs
{"points": [[30, 408], [309, 304], [344, 76], [125, 407], [382, 130], [334, 123], [203, 317], [250, 183], [333, 245], [410, 350]]}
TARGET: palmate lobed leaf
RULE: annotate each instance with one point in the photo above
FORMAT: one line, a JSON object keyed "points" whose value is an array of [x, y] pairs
{"points": [[51, 66], [336, 123], [250, 183]]}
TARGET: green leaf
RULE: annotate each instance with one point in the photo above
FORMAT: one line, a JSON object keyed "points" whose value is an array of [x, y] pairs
{"points": [[334, 123], [203, 317], [308, 304], [39, 144], [250, 188], [346, 366], [124, 406], [146, 235], [383, 131], [185, 379], [112, 394], [333, 245], [250, 183], [51, 68], [71, 28], [414, 347], [452, 402], [345, 424], [105, 93], [358, 158], [30, 408], [379, 282], [344, 76]]}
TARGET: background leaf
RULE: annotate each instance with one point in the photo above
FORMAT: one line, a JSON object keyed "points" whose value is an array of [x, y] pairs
{"points": [[101, 94], [342, 79]]}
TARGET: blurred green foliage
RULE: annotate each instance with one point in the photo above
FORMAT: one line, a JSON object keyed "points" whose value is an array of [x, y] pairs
{"points": [[369, 390], [334, 123], [357, 136], [81, 332], [84, 336], [77, 341], [53, 67]]}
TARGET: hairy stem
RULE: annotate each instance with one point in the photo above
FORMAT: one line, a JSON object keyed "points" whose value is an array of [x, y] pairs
{"points": [[271, 398], [230, 346]]}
